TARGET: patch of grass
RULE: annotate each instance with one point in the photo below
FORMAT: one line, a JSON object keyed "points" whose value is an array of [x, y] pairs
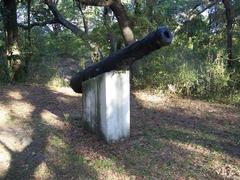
{"points": [[71, 159], [73, 119], [107, 164], [67, 162], [104, 164], [57, 142], [66, 117]]}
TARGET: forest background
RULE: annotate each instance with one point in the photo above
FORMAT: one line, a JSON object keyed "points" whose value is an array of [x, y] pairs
{"points": [[202, 62]]}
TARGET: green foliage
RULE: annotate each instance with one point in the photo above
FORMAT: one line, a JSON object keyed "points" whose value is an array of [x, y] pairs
{"points": [[4, 74], [194, 65], [214, 80], [186, 79], [42, 69]]}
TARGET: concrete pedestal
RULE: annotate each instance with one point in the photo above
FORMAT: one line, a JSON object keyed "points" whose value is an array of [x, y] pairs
{"points": [[106, 105]]}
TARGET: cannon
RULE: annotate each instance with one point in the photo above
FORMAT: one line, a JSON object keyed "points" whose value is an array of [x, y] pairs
{"points": [[124, 58]]}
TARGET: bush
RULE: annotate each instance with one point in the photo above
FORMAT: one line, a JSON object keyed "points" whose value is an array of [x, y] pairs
{"points": [[213, 80], [180, 70]]}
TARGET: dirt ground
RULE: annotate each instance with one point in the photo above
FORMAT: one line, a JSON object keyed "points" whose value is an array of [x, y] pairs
{"points": [[42, 137]]}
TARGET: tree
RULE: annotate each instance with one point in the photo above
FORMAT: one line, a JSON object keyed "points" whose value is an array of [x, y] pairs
{"points": [[229, 31], [11, 31]]}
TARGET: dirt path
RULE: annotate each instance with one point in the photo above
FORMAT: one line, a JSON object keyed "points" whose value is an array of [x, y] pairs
{"points": [[41, 137]]}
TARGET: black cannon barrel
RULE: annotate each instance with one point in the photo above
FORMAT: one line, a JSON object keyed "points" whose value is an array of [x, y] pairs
{"points": [[124, 57]]}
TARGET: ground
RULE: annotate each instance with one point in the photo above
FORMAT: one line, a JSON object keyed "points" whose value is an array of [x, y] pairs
{"points": [[42, 137]]}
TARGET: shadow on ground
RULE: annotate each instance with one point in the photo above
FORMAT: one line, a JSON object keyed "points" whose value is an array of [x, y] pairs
{"points": [[47, 110], [169, 139]]}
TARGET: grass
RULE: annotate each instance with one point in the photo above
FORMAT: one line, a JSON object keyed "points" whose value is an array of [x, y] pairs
{"points": [[107, 164]]}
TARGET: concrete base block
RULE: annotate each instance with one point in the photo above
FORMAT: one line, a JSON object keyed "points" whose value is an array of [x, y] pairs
{"points": [[106, 105]]}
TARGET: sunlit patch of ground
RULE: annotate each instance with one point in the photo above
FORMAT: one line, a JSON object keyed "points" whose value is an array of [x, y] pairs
{"points": [[68, 92], [43, 172], [16, 95], [15, 138], [27, 116], [5, 158], [42, 137], [4, 116], [52, 120]]}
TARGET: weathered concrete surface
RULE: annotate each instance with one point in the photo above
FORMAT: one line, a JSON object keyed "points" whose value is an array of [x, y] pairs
{"points": [[106, 105]]}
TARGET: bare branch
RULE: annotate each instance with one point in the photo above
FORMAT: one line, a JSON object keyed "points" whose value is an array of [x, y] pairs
{"points": [[77, 31], [85, 23]]}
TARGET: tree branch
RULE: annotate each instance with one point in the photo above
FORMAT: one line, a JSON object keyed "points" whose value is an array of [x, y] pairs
{"points": [[85, 23], [191, 16], [75, 30], [120, 13], [53, 21]]}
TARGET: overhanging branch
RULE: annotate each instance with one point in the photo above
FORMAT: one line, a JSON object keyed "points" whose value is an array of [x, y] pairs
{"points": [[120, 13], [75, 30]]}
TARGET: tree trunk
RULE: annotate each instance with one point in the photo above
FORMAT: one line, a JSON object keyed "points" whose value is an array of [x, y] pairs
{"points": [[229, 29], [121, 15], [29, 56], [11, 31], [10, 23]]}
